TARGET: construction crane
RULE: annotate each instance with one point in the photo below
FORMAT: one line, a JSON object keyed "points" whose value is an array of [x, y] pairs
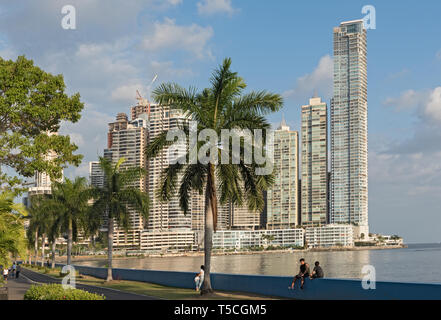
{"points": [[145, 101]]}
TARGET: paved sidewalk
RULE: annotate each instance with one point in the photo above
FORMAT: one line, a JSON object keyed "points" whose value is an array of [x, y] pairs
{"points": [[17, 288], [110, 294]]}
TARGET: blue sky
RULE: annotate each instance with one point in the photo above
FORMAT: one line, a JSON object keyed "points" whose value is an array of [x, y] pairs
{"points": [[283, 46]]}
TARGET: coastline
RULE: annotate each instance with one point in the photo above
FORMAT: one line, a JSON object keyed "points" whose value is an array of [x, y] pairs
{"points": [[244, 253]]}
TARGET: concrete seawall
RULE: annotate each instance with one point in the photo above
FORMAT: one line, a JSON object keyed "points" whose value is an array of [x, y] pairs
{"points": [[319, 289]]}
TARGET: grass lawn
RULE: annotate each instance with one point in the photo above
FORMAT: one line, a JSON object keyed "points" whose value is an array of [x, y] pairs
{"points": [[153, 290]]}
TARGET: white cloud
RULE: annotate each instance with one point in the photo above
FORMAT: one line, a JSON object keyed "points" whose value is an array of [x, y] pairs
{"points": [[433, 107], [167, 69], [126, 93], [427, 103], [407, 100], [209, 7], [174, 2], [320, 79], [168, 35]]}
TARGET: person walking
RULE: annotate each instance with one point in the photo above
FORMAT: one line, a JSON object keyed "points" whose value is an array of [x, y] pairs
{"points": [[17, 272], [14, 268]]}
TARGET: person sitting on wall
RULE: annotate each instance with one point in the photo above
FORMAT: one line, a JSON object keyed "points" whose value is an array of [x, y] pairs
{"points": [[199, 280], [304, 272], [317, 272]]}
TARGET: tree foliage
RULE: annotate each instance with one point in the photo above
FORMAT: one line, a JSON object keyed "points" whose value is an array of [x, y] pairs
{"points": [[33, 104], [117, 197], [13, 242]]}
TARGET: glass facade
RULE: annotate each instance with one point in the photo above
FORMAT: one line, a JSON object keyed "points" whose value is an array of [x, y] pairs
{"points": [[349, 158], [314, 163], [282, 198]]}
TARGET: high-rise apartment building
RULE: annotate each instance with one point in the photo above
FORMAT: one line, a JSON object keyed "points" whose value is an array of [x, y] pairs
{"points": [[314, 195], [42, 183], [128, 140], [96, 174], [349, 141], [282, 198], [164, 216]]}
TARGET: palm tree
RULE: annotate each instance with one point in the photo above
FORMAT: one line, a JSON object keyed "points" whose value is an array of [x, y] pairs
{"points": [[116, 198], [43, 221], [71, 198], [222, 106], [54, 227], [36, 217], [12, 236]]}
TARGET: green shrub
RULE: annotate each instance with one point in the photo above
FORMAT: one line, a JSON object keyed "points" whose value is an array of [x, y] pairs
{"points": [[57, 292]]}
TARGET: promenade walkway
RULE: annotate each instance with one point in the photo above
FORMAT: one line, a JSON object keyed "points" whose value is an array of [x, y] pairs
{"points": [[17, 287]]}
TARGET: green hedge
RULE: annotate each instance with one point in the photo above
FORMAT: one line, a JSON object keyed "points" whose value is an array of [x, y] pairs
{"points": [[56, 292]]}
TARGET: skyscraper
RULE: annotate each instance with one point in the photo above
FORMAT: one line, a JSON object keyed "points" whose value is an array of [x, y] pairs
{"points": [[128, 140], [349, 162], [42, 183], [314, 201], [282, 198], [96, 174], [164, 216]]}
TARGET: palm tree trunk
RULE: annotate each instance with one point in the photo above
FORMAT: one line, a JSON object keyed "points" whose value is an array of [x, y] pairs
{"points": [[53, 248], [110, 250], [210, 207], [43, 240], [36, 246], [69, 243]]}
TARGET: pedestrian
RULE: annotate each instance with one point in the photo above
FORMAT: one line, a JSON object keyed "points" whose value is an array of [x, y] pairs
{"points": [[199, 279], [14, 268], [5, 274], [304, 272], [17, 272]]}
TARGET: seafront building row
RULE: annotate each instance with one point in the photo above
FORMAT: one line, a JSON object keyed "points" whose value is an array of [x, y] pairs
{"points": [[324, 204], [328, 199]]}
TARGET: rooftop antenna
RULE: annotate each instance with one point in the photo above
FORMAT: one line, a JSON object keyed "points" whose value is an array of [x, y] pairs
{"points": [[315, 93]]}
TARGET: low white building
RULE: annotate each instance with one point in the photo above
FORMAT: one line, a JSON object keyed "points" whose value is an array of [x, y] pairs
{"points": [[167, 241], [243, 239], [331, 235], [391, 240]]}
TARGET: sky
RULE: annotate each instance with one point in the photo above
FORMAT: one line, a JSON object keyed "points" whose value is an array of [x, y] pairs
{"points": [[282, 46]]}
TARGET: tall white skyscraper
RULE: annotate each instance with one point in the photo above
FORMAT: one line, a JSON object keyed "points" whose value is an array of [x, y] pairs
{"points": [[128, 140], [283, 197], [349, 141], [314, 163], [164, 216]]}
